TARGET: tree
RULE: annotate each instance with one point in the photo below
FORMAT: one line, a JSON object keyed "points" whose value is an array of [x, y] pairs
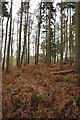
{"points": [[20, 30], [66, 39], [77, 52], [12, 40], [49, 38], [67, 33], [17, 39], [36, 49], [4, 14], [3, 64], [48, 21], [61, 50], [29, 33], [25, 32], [39, 28], [9, 42]]}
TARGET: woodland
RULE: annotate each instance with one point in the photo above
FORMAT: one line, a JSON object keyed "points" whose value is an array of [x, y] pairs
{"points": [[40, 60]]}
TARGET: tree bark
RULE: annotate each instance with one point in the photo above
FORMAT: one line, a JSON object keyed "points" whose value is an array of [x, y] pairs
{"points": [[12, 44], [3, 64], [29, 43], [25, 34], [61, 48], [9, 42], [77, 52], [49, 39], [39, 28], [19, 51]]}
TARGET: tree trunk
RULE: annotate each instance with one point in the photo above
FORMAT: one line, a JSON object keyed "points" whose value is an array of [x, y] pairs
{"points": [[77, 55], [1, 43], [20, 30], [3, 64], [25, 33], [70, 38], [39, 27], [66, 39], [17, 41], [49, 39], [36, 49], [12, 44], [55, 39], [9, 42], [46, 35], [29, 43], [61, 48]]}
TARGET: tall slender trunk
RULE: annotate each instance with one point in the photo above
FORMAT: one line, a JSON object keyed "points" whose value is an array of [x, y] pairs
{"points": [[49, 39], [2, 27], [66, 40], [17, 41], [9, 42], [36, 49], [70, 36], [61, 49], [39, 26], [20, 30], [46, 35], [77, 56], [64, 33], [5, 45], [29, 43], [1, 43], [25, 32], [12, 44], [54, 40]]}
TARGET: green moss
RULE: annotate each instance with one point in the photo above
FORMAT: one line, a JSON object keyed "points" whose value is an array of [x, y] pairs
{"points": [[12, 90], [78, 101], [68, 81], [38, 97], [17, 104]]}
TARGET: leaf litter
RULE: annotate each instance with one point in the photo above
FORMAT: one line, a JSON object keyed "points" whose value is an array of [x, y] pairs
{"points": [[35, 92]]}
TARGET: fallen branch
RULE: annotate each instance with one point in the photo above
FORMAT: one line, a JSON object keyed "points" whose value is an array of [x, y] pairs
{"points": [[63, 72]]}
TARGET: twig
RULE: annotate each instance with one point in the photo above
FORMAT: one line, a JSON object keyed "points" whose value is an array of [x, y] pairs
{"points": [[63, 72]]}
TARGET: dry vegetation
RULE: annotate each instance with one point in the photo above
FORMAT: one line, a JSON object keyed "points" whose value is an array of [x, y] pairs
{"points": [[35, 92]]}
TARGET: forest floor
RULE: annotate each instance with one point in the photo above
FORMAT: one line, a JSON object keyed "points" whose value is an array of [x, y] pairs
{"points": [[36, 92]]}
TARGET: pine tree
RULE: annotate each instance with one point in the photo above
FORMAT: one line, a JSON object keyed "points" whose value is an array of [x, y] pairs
{"points": [[20, 30], [9, 42], [77, 55], [25, 32]]}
